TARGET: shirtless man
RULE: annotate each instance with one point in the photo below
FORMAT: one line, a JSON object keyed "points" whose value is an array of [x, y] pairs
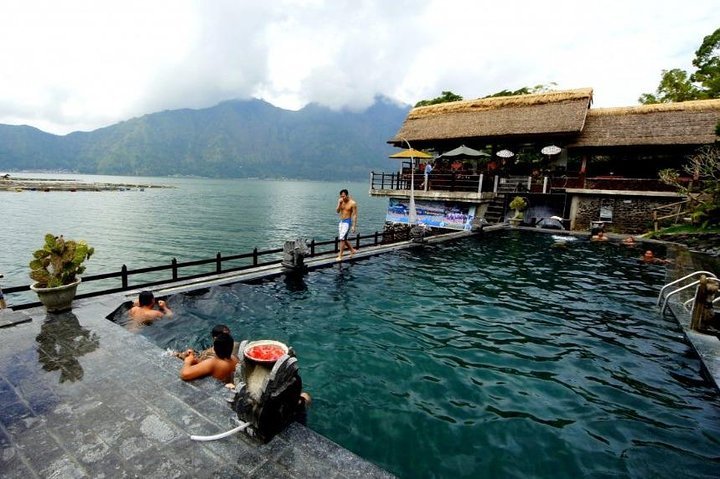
{"points": [[221, 366], [347, 209], [143, 311]]}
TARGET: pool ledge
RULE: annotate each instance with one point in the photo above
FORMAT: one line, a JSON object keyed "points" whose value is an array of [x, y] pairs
{"points": [[82, 397]]}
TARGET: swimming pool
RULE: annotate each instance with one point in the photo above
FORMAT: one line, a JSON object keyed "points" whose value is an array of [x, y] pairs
{"points": [[507, 355]]}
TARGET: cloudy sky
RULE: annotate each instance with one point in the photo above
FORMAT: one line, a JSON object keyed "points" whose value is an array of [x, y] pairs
{"points": [[82, 64]]}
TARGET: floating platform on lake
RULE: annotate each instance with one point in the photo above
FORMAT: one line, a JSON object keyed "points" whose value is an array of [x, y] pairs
{"points": [[37, 184]]}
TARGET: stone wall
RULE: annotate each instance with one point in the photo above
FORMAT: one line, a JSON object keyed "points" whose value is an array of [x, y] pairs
{"points": [[630, 214]]}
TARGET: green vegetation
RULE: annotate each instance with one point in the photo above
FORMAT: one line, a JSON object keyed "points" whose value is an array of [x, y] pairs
{"points": [[445, 97], [704, 83], [59, 261], [704, 167]]}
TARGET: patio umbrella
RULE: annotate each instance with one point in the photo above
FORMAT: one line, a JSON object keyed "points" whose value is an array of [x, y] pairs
{"points": [[463, 152], [551, 150], [505, 154], [412, 153]]}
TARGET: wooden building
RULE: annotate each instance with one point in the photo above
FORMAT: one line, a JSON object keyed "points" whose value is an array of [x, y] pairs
{"points": [[608, 158]]}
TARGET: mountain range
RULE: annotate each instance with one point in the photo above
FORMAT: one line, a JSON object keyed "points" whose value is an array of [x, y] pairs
{"points": [[236, 138]]}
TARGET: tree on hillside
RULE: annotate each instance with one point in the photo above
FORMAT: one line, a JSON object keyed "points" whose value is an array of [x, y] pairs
{"points": [[525, 90], [447, 96], [705, 167], [677, 85]]}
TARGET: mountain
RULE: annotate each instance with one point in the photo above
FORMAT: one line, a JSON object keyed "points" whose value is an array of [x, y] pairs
{"points": [[235, 138]]}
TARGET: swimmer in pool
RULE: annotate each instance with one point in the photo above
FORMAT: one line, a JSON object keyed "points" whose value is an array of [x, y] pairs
{"points": [[221, 366], [143, 311]]}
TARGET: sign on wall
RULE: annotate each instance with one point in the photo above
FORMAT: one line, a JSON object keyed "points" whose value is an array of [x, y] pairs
{"points": [[439, 214]]}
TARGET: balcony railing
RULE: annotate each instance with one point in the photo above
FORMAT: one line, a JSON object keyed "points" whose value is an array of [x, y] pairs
{"points": [[491, 183]]}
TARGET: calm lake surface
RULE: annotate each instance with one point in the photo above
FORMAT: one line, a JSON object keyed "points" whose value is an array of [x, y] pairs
{"points": [[195, 219]]}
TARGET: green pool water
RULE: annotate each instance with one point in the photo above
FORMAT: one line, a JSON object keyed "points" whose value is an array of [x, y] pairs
{"points": [[506, 355]]}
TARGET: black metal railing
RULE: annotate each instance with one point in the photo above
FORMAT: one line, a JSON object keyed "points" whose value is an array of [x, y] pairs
{"points": [[219, 264], [437, 181]]}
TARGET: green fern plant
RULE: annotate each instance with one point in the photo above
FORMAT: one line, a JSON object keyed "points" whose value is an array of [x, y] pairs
{"points": [[59, 261]]}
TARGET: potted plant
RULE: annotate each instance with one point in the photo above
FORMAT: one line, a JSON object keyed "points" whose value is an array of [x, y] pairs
{"points": [[56, 270], [519, 204]]}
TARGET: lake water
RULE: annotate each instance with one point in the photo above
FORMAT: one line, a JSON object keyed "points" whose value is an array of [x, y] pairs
{"points": [[195, 219]]}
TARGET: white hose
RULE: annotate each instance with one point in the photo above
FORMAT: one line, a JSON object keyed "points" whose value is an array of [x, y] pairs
{"points": [[222, 434]]}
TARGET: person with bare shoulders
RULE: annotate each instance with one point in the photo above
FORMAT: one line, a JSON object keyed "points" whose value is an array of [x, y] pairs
{"points": [[143, 311], [649, 257], [600, 236], [221, 366], [348, 211]]}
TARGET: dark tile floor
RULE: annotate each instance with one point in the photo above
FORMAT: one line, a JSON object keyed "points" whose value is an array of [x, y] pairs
{"points": [[82, 397]]}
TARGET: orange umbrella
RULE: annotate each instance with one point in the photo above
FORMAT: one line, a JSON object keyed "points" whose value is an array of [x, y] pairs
{"points": [[412, 153]]}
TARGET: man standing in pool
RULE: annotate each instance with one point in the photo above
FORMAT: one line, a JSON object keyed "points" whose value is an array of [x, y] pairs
{"points": [[347, 209]]}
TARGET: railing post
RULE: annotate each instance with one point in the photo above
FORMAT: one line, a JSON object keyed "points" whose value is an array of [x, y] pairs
{"points": [[124, 276], [495, 183], [174, 269], [218, 263], [376, 238], [357, 241], [545, 184], [480, 182], [255, 257], [529, 184], [312, 247], [336, 244]]}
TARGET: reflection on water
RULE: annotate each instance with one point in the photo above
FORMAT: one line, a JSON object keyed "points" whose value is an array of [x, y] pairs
{"points": [[493, 357], [61, 341]]}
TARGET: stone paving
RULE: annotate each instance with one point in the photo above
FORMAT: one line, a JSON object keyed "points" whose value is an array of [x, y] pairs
{"points": [[81, 397]]}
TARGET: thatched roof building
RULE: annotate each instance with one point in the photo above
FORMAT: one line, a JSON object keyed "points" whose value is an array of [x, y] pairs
{"points": [[666, 124], [561, 117], [512, 118]]}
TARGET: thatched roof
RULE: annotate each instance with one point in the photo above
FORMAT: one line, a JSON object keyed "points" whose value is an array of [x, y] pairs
{"points": [[683, 123], [560, 112]]}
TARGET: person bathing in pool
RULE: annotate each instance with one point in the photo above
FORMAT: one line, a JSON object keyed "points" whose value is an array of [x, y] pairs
{"points": [[143, 311], [347, 209], [221, 366]]}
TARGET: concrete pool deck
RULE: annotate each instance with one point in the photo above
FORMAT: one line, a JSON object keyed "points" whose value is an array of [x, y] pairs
{"points": [[83, 397]]}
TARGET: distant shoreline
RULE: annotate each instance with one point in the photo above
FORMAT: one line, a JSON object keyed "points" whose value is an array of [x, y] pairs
{"points": [[69, 185]]}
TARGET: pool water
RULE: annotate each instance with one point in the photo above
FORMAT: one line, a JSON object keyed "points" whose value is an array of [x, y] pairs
{"points": [[505, 355]]}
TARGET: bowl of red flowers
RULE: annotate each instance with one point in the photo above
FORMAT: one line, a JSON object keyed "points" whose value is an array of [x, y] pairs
{"points": [[265, 351]]}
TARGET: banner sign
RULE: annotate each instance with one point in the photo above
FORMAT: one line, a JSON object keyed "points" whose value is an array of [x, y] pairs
{"points": [[439, 214]]}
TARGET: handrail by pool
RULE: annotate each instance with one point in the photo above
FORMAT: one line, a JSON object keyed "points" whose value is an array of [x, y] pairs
{"points": [[708, 274]]}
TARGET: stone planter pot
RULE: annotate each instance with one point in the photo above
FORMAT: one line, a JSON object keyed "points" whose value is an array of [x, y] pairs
{"points": [[57, 299]]}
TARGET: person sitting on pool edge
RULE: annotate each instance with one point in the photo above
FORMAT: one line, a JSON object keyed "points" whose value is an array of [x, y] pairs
{"points": [[143, 311], [221, 366], [210, 352]]}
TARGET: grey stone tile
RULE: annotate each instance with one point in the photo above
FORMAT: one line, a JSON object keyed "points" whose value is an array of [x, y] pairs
{"points": [[12, 465], [304, 465], [63, 468], [16, 417], [192, 456], [243, 456], [112, 466], [274, 470]]}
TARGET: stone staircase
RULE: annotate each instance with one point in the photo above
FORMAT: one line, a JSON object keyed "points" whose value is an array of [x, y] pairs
{"points": [[496, 208]]}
